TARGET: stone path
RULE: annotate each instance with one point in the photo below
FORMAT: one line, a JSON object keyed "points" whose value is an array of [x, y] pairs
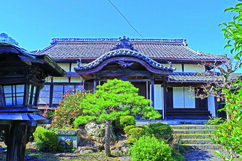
{"points": [[204, 155]]}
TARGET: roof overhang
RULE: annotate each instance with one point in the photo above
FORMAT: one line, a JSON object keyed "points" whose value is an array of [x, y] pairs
{"points": [[123, 57], [44, 61]]}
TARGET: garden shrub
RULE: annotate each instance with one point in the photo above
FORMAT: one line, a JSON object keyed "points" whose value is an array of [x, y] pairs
{"points": [[176, 152], [46, 140], [68, 110], [135, 133], [50, 114], [124, 121], [127, 128], [159, 130], [150, 149], [214, 121]]}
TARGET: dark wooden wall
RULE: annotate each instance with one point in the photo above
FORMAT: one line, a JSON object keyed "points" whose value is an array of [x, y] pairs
{"points": [[141, 86]]}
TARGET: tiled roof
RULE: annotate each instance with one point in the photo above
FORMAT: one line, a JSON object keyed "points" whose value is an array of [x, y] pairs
{"points": [[123, 52], [198, 77], [45, 61], [167, 49]]}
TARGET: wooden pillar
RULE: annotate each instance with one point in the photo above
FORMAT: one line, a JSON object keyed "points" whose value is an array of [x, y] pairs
{"points": [[51, 92], [153, 92], [216, 106], [94, 84], [16, 140], [147, 89], [164, 95]]}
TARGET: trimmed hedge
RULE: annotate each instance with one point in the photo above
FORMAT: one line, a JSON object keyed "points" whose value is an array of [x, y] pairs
{"points": [[135, 133], [123, 121], [127, 128], [150, 149], [46, 140], [159, 130]]}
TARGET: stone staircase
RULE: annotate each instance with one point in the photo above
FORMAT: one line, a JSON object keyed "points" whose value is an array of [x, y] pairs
{"points": [[195, 136]]}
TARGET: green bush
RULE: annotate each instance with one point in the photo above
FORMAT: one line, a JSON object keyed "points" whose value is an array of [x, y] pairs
{"points": [[159, 130], [127, 128], [150, 149], [135, 133], [176, 153], [50, 114], [124, 121], [46, 140], [214, 121], [68, 110]]}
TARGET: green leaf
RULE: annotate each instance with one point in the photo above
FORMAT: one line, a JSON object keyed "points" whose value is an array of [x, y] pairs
{"points": [[228, 9]]}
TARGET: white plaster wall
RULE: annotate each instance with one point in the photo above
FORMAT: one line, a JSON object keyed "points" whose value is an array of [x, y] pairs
{"points": [[73, 65], [48, 79], [194, 68], [177, 66], [60, 79], [64, 66], [76, 80], [211, 105]]}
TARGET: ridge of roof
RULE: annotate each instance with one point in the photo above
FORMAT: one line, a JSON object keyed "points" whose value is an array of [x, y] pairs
{"points": [[115, 40], [200, 53], [38, 52], [176, 49]]}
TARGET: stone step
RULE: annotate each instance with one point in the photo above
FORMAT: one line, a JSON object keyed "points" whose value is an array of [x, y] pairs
{"points": [[193, 136], [188, 127], [204, 146], [195, 141], [194, 131]]}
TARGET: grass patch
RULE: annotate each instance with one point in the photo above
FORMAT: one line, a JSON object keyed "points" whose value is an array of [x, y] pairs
{"points": [[100, 156], [66, 156]]}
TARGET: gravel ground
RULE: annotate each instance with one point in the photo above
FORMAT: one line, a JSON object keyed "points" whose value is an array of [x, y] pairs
{"points": [[204, 155]]}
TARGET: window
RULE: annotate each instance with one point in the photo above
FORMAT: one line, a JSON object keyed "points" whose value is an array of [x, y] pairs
{"points": [[14, 94], [60, 90], [32, 92], [183, 97], [44, 97]]}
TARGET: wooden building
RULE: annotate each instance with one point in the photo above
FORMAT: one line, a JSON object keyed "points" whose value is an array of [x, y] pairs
{"points": [[166, 71]]}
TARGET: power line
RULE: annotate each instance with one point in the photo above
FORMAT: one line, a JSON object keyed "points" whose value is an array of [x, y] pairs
{"points": [[115, 7]]}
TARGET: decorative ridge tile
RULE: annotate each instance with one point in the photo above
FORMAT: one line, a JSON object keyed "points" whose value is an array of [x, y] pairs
{"points": [[123, 52]]}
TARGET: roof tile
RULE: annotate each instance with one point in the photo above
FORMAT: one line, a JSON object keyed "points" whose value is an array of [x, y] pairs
{"points": [[63, 48]]}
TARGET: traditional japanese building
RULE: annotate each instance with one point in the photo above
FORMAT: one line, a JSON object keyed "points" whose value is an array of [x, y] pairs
{"points": [[166, 71]]}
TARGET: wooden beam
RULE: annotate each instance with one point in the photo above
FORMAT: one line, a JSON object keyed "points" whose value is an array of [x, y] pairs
{"points": [[153, 92], [147, 89], [123, 72], [179, 84], [164, 95], [130, 80]]}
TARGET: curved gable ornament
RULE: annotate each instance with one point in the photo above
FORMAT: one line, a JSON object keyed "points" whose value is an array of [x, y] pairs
{"points": [[123, 55]]}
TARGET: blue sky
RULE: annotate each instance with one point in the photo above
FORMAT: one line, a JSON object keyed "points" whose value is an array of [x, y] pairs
{"points": [[33, 23]]}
